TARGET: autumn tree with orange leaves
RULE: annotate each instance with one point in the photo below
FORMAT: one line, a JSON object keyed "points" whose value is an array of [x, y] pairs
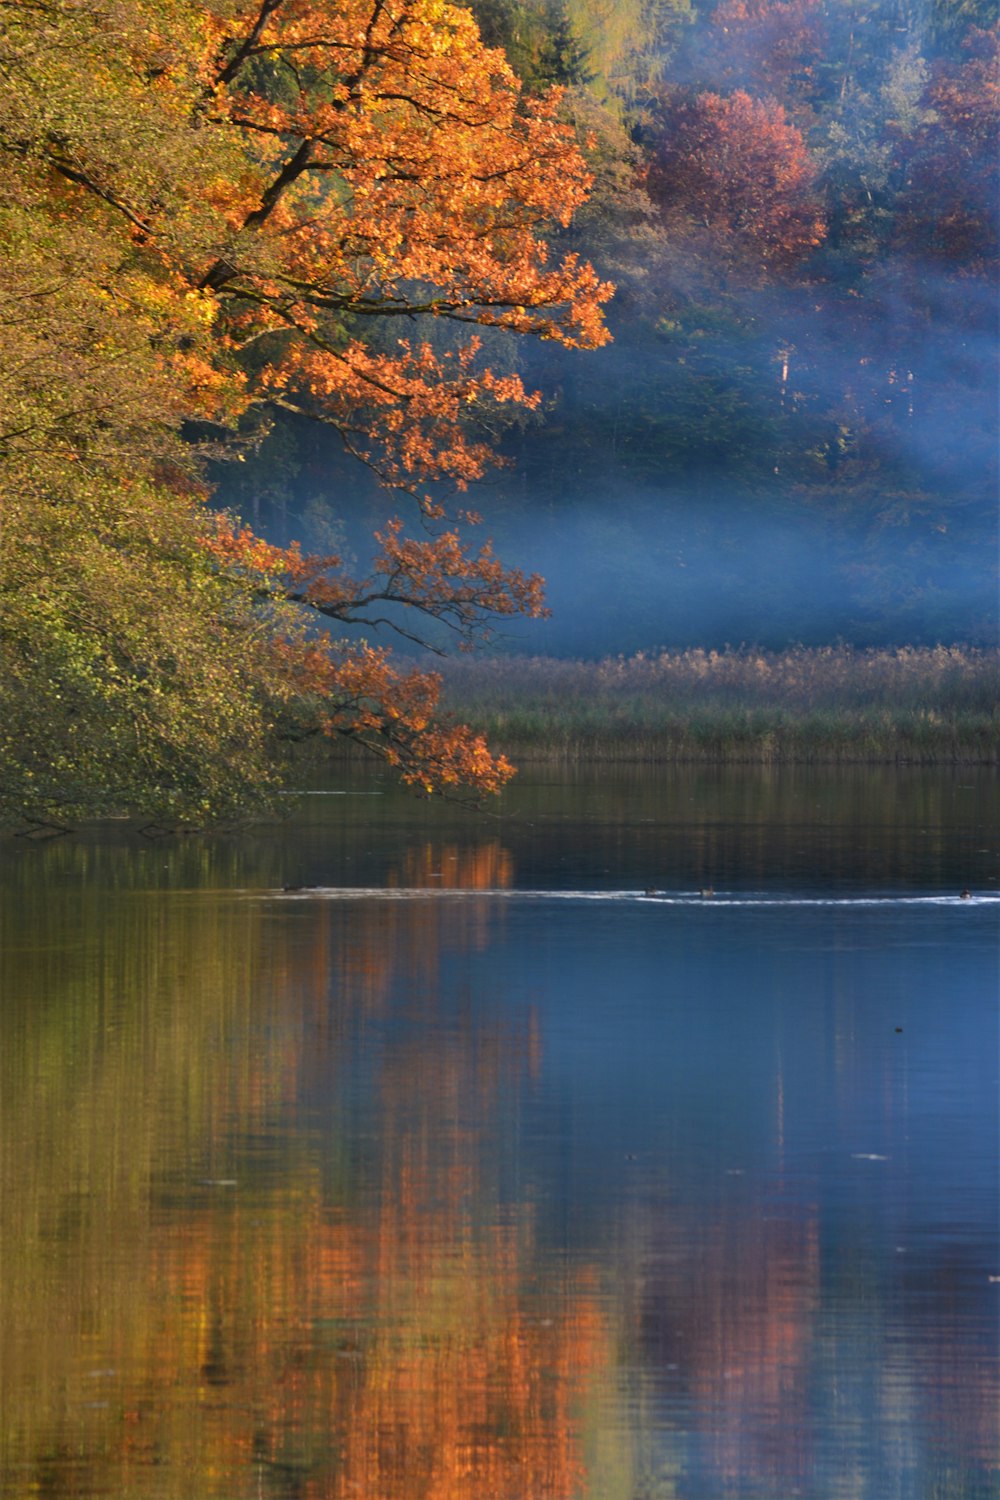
{"points": [[209, 211]]}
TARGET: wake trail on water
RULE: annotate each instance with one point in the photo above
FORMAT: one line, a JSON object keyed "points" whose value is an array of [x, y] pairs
{"points": [[638, 898]]}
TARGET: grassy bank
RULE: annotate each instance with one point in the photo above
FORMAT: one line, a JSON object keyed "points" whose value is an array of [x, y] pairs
{"points": [[833, 704]]}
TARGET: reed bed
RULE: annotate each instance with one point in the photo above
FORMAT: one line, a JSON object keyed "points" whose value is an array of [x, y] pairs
{"points": [[835, 703]]}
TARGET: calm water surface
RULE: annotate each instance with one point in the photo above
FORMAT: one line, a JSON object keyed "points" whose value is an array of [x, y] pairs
{"points": [[478, 1174]]}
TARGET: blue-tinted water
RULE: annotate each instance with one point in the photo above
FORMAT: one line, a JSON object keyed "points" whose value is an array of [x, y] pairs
{"points": [[475, 1171]]}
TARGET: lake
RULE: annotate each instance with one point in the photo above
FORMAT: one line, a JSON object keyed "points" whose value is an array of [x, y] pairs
{"points": [[477, 1173]]}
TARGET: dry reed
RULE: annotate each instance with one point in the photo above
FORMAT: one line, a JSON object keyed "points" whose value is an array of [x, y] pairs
{"points": [[833, 703]]}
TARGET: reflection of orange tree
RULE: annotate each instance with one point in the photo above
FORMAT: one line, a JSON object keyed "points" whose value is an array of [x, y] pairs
{"points": [[410, 1344], [381, 1330], [383, 939], [381, 1355], [483, 866]]}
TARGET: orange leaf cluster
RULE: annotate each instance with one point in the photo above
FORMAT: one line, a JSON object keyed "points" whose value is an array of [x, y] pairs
{"points": [[335, 689], [355, 691], [400, 174], [234, 205], [239, 550]]}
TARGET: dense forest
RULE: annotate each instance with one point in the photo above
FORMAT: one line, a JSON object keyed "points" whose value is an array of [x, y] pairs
{"points": [[792, 437], [700, 299]]}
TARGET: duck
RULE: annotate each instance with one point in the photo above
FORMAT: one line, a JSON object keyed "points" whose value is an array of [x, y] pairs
{"points": [[965, 895], [706, 892]]}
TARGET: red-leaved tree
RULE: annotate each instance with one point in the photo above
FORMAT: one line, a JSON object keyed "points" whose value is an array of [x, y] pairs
{"points": [[734, 168]]}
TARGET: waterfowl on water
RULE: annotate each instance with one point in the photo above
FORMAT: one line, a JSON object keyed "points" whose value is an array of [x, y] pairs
{"points": [[651, 891], [706, 892], [965, 896]]}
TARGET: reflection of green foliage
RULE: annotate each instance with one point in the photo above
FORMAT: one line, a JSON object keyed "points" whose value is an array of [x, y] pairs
{"points": [[119, 1007], [181, 1302]]}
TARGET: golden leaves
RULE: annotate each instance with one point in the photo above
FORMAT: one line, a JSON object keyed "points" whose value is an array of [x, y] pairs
{"points": [[219, 205], [361, 695]]}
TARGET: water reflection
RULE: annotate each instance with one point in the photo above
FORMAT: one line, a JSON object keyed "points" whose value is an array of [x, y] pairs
{"points": [[207, 1273], [483, 866], [474, 1197], [729, 1337]]}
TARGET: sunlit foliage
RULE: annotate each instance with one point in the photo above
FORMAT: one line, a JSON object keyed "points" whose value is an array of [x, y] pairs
{"points": [[203, 213], [805, 343]]}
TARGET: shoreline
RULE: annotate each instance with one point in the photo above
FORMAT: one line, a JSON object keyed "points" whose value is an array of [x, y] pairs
{"points": [[807, 705], [636, 750]]}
